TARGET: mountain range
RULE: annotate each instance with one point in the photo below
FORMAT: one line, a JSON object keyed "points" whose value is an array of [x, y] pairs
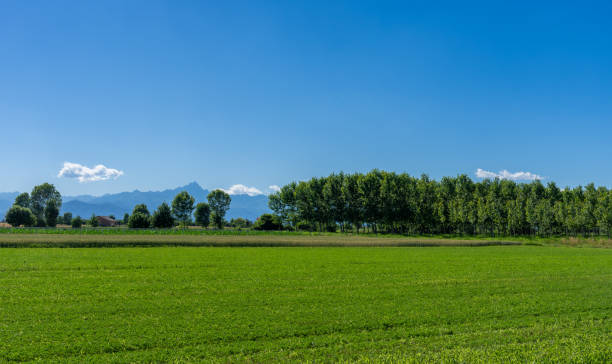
{"points": [[118, 204]]}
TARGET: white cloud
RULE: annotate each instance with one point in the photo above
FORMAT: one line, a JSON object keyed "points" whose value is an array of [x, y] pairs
{"points": [[274, 188], [242, 190], [86, 174], [518, 176]]}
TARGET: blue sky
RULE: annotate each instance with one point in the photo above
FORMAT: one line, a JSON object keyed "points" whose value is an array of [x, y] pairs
{"points": [[262, 93]]}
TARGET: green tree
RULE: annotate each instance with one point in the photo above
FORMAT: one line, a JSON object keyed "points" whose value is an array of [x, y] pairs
{"points": [[162, 217], [354, 200], [23, 200], [39, 199], [77, 222], [202, 214], [51, 213], [334, 200], [93, 221], [139, 220], [126, 218], [18, 215], [268, 222], [369, 186], [141, 208], [67, 219], [219, 202], [240, 223], [182, 207]]}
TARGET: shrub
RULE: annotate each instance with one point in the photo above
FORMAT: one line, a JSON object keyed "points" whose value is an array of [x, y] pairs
{"points": [[93, 221], [138, 220], [304, 226], [67, 219], [268, 222], [18, 215], [77, 222], [240, 223]]}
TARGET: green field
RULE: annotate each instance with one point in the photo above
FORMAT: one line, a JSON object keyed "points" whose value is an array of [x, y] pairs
{"points": [[451, 304]]}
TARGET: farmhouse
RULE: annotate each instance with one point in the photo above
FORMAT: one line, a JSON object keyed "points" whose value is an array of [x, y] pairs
{"points": [[106, 221]]}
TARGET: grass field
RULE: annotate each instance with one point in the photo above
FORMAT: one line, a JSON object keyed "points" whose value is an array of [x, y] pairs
{"points": [[451, 304]]}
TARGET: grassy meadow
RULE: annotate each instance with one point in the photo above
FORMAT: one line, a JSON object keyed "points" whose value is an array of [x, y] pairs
{"points": [[364, 304]]}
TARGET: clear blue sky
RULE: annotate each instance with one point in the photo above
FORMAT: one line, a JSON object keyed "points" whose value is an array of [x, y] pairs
{"points": [[262, 93]]}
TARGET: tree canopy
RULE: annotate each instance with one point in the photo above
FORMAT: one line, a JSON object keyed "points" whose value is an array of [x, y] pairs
{"points": [[202, 214], [40, 198], [162, 217], [219, 202], [400, 203], [18, 215], [182, 207]]}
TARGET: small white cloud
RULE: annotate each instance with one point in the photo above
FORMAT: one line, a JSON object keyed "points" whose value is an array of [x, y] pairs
{"points": [[86, 174], [274, 188], [518, 176], [242, 190]]}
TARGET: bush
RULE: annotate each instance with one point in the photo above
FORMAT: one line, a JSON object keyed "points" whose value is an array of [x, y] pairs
{"points": [[331, 228], [93, 221], [268, 222], [138, 220], [18, 215], [240, 223], [67, 219], [77, 222], [304, 226]]}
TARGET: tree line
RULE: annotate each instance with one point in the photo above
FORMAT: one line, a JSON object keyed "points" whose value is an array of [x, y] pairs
{"points": [[381, 201], [41, 208]]}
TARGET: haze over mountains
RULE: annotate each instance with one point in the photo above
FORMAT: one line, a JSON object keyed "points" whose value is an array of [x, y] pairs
{"points": [[117, 204]]}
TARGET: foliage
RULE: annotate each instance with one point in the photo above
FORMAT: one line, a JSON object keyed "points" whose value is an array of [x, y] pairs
{"points": [[182, 207], [18, 215], [304, 226], [268, 305], [77, 222], [67, 219], [39, 199], [202, 214], [240, 223], [139, 220], [93, 221], [51, 213], [387, 202], [23, 200], [162, 217], [126, 218], [219, 202], [141, 208], [268, 222]]}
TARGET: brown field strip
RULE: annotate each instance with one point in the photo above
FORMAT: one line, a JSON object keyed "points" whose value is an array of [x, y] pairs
{"points": [[91, 240]]}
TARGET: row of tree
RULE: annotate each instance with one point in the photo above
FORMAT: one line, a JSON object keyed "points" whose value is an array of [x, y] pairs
{"points": [[399, 203], [182, 209], [41, 208]]}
